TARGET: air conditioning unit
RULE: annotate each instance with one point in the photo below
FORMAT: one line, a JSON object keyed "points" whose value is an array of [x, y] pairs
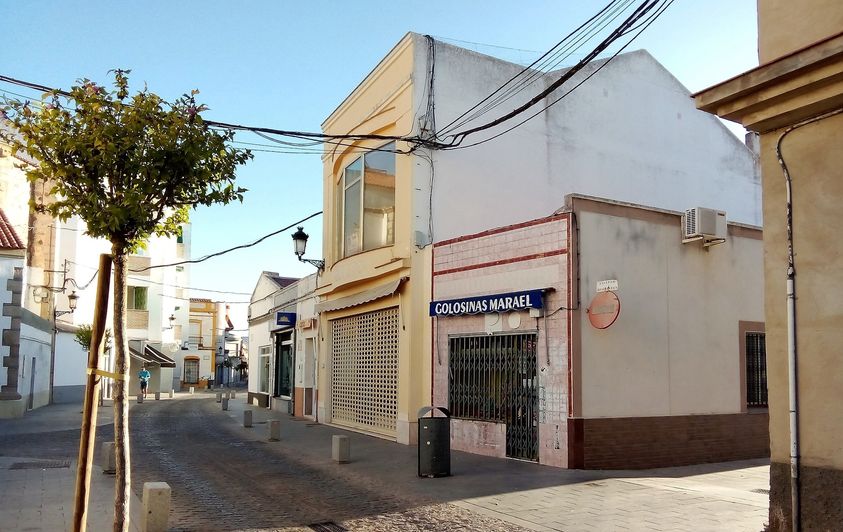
{"points": [[706, 224]]}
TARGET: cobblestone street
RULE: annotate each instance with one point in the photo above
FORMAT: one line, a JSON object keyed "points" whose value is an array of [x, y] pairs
{"points": [[226, 477]]}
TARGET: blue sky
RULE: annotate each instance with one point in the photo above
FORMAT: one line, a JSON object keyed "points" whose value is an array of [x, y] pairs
{"points": [[287, 65]]}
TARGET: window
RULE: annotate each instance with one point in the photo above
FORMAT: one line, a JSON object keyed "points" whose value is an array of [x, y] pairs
{"points": [[264, 353], [756, 369], [366, 202], [136, 298]]}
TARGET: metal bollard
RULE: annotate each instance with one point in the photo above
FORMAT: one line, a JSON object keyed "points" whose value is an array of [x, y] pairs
{"points": [[219, 397], [140, 398], [340, 449], [172, 393], [191, 390], [109, 458], [157, 396], [156, 507], [225, 403], [274, 426], [247, 418]]}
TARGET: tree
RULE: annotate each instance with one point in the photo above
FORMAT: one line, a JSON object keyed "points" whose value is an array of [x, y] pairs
{"points": [[129, 167], [85, 332]]}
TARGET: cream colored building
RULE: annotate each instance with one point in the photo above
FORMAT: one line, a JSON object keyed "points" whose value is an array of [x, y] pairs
{"points": [[794, 100], [385, 205]]}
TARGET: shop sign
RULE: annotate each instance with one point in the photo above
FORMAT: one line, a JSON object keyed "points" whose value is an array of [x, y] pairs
{"points": [[285, 319], [487, 304]]}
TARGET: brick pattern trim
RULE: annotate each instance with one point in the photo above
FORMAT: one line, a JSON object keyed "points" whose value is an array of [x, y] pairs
{"points": [[667, 441], [11, 337], [503, 229], [502, 262]]}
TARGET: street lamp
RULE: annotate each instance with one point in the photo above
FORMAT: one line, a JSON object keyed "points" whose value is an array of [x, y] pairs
{"points": [[300, 242], [72, 300]]}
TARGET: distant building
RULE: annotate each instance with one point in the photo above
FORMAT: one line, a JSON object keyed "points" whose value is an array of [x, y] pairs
{"points": [[283, 344]]}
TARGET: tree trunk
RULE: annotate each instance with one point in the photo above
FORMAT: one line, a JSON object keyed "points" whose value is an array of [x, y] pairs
{"points": [[123, 484]]}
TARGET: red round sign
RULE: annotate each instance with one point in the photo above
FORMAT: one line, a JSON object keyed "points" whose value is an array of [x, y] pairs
{"points": [[604, 310]]}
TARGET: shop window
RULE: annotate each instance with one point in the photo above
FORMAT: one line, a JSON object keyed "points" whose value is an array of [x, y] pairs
{"points": [[366, 202], [136, 298], [264, 354], [756, 369]]}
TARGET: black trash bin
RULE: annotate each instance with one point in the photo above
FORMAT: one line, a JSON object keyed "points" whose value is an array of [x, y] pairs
{"points": [[434, 442]]}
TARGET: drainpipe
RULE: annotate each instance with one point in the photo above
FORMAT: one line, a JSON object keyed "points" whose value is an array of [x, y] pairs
{"points": [[792, 358]]}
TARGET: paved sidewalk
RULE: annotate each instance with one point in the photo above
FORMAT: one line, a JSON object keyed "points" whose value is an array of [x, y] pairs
{"points": [[711, 497], [518, 495], [36, 492]]}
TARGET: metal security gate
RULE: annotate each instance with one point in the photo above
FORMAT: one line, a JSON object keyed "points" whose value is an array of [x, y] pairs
{"points": [[191, 371], [493, 378], [364, 371]]}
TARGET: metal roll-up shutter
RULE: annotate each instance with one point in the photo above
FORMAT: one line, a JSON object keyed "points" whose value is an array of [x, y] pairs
{"points": [[364, 371]]}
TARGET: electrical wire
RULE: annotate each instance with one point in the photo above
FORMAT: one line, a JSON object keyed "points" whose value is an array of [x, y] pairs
{"points": [[647, 23], [639, 13], [535, 68], [229, 250]]}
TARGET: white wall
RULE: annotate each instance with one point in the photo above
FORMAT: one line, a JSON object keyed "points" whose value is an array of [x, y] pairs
{"points": [[34, 345], [630, 133], [674, 348]]}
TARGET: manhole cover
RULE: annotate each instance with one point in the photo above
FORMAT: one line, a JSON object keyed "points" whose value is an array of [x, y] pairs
{"points": [[327, 526], [761, 490], [49, 464]]}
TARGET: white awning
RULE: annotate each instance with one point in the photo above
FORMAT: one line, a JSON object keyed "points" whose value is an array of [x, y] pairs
{"points": [[386, 289]]}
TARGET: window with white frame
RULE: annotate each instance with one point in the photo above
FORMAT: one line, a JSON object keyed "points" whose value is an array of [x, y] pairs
{"points": [[136, 298], [264, 354], [366, 202]]}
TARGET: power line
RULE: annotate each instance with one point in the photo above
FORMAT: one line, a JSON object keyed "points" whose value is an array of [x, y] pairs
{"points": [[229, 250], [627, 25], [647, 23]]}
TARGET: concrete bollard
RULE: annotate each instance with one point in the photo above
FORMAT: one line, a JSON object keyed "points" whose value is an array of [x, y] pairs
{"points": [[157, 396], [228, 394], [140, 398], [225, 403], [340, 449], [172, 393], [109, 458], [247, 418], [233, 394], [156, 507], [274, 427], [219, 397], [191, 390]]}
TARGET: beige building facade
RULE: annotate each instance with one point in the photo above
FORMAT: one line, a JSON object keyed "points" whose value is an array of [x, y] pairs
{"points": [[794, 100]]}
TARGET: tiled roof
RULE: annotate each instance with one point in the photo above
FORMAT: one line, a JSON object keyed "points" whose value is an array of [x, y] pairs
{"points": [[8, 237], [282, 281]]}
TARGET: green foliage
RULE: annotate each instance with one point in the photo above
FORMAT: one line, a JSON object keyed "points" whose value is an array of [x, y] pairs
{"points": [[128, 166], [84, 333]]}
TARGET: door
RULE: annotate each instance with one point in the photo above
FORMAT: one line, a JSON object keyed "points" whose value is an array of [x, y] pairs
{"points": [[31, 403], [191, 371], [492, 378], [284, 365], [364, 371]]}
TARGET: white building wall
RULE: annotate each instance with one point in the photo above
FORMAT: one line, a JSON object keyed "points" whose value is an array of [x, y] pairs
{"points": [[630, 133], [71, 360], [34, 356], [674, 349]]}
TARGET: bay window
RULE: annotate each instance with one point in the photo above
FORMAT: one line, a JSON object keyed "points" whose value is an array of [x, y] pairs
{"points": [[366, 202]]}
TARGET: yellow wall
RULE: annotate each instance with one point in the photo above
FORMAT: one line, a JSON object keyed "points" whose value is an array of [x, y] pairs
{"points": [[813, 156], [382, 104], [785, 26]]}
